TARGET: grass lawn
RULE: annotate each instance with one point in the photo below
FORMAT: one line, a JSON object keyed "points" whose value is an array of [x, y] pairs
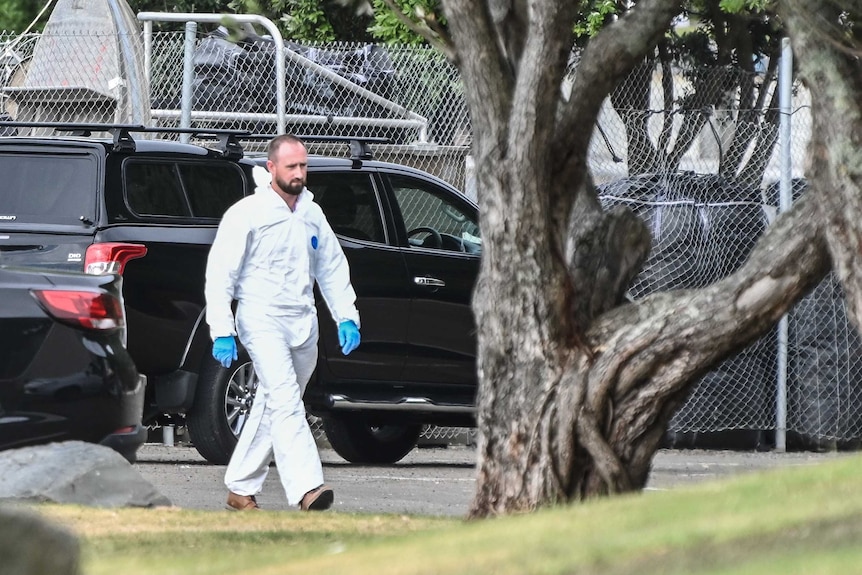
{"points": [[801, 520]]}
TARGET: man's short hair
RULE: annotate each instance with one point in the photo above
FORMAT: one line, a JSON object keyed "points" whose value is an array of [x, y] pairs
{"points": [[278, 141]]}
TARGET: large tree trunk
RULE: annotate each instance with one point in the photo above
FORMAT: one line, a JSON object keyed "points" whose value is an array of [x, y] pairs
{"points": [[559, 422], [576, 384], [830, 67]]}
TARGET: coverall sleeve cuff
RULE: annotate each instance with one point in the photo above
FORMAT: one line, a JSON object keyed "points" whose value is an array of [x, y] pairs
{"points": [[353, 317], [215, 336]]}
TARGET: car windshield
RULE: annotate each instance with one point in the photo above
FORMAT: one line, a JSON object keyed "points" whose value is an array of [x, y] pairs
{"points": [[47, 188]]}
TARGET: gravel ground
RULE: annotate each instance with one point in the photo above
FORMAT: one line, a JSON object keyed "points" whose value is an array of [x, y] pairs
{"points": [[431, 481]]}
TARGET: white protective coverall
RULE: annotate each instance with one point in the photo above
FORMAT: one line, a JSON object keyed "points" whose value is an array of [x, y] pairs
{"points": [[268, 257]]}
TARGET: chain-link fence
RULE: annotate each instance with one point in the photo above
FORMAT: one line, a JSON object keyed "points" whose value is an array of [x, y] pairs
{"points": [[696, 154], [408, 96], [694, 151], [703, 228]]}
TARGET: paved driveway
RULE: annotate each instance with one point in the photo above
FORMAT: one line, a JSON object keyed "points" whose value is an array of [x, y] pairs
{"points": [[433, 481]]}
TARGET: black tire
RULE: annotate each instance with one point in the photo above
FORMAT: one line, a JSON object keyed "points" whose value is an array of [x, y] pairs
{"points": [[223, 399], [358, 441]]}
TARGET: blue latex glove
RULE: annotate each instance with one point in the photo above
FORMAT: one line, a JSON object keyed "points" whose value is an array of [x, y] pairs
{"points": [[224, 350], [348, 336]]}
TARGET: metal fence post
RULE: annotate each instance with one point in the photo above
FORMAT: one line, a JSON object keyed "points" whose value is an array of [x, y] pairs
{"points": [[188, 79], [148, 52], [785, 87]]}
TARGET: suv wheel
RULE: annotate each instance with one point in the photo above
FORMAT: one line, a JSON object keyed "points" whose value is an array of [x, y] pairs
{"points": [[223, 399], [358, 440]]}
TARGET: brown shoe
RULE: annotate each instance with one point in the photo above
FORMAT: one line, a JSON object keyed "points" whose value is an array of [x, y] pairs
{"points": [[241, 502], [319, 499]]}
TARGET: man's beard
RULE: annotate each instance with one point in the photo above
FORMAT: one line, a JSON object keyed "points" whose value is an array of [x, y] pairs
{"points": [[294, 187]]}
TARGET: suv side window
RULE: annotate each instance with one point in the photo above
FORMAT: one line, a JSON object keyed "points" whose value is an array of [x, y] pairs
{"points": [[433, 219], [153, 189], [211, 188], [181, 189], [350, 204]]}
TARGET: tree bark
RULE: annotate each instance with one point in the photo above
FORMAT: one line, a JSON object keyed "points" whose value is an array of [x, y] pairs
{"points": [[829, 65]]}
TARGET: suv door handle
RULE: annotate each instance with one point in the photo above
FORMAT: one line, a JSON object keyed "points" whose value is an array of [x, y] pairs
{"points": [[428, 282]]}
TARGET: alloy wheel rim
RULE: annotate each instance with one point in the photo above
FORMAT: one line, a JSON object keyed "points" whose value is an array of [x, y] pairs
{"points": [[239, 397]]}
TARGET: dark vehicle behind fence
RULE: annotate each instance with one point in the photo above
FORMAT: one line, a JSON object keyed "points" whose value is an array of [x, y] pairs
{"points": [[65, 373], [703, 228], [80, 203]]}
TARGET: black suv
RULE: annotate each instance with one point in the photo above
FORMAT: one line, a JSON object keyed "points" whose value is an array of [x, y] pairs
{"points": [[65, 373], [77, 202]]}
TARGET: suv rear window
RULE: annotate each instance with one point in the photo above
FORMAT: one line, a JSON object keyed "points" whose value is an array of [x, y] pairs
{"points": [[45, 188], [179, 189]]}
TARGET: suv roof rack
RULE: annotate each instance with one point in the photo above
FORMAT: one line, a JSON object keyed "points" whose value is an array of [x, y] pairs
{"points": [[228, 140], [121, 133], [360, 148], [228, 144]]}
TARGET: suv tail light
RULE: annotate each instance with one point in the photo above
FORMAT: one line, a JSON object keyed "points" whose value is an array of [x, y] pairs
{"points": [[87, 309], [111, 257]]}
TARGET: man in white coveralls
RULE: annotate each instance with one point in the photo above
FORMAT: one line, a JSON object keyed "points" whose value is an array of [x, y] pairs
{"points": [[269, 250]]}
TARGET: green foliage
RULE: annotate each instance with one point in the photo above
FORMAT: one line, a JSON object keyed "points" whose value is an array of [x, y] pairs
{"points": [[310, 21], [16, 15], [737, 6], [206, 6], [387, 28], [593, 16], [698, 44], [732, 6], [305, 21], [694, 47]]}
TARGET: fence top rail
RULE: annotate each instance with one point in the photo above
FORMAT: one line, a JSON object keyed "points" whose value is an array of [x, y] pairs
{"points": [[209, 18]]}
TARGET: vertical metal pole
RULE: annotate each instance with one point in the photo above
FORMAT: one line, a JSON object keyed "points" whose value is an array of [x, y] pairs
{"points": [[188, 78], [280, 82], [148, 52], [785, 86]]}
